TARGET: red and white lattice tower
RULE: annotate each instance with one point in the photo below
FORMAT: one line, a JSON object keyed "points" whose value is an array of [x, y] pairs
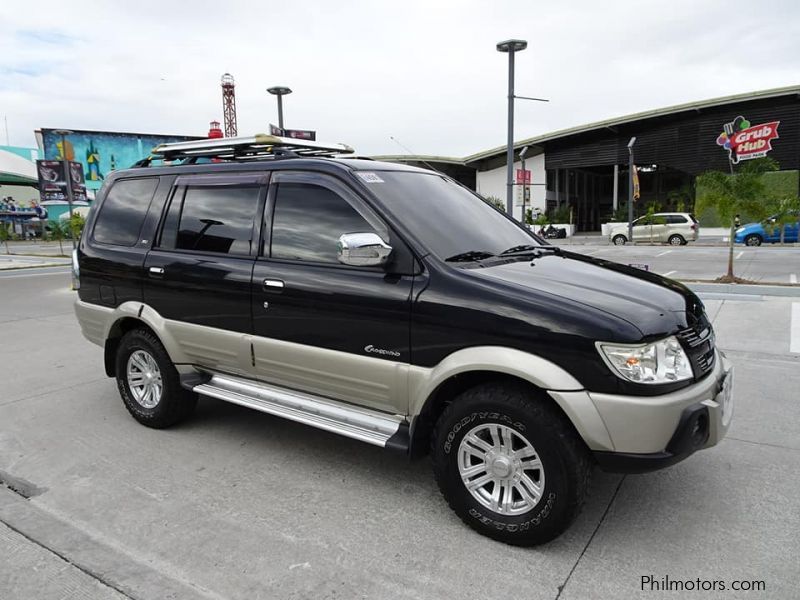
{"points": [[229, 104]]}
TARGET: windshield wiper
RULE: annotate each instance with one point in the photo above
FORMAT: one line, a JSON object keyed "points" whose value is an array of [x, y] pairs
{"points": [[530, 250], [470, 256]]}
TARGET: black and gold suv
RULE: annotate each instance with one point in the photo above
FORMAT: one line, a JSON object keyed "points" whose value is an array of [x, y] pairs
{"points": [[390, 304]]}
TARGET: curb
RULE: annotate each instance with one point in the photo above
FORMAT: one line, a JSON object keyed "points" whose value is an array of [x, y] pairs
{"points": [[744, 289]]}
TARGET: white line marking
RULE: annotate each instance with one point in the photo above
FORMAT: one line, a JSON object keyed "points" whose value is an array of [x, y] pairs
{"points": [[593, 252], [792, 278], [663, 253], [738, 256], [668, 273], [3, 276], [794, 336]]}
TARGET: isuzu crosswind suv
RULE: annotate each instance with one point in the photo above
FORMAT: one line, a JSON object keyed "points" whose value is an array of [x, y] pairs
{"points": [[392, 305]]}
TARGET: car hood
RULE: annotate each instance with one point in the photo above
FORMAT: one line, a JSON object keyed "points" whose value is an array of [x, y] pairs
{"points": [[750, 227], [655, 305]]}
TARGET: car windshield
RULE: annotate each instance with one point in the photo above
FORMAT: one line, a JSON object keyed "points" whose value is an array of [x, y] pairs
{"points": [[449, 220]]}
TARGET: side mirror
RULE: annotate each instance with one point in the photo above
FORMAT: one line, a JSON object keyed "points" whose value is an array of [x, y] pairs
{"points": [[362, 250]]}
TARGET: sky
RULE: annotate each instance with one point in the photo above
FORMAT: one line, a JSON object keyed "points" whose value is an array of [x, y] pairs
{"points": [[425, 73]]}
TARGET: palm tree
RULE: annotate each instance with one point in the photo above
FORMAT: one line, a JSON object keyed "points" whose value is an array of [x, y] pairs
{"points": [[59, 232], [5, 235], [736, 193]]}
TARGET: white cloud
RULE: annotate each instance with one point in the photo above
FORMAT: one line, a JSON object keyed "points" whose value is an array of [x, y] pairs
{"points": [[424, 72]]}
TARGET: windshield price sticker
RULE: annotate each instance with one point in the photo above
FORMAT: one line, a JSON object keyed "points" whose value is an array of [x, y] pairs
{"points": [[370, 177]]}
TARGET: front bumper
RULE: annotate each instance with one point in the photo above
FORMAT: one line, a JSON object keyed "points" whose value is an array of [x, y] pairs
{"points": [[650, 433]]}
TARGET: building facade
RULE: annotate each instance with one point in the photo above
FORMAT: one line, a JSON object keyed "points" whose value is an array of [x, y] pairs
{"points": [[584, 170]]}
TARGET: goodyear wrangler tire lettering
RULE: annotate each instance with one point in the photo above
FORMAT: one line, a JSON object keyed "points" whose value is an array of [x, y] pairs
{"points": [[512, 528], [510, 421]]}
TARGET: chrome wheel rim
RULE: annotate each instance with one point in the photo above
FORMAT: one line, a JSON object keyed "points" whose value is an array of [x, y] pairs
{"points": [[144, 379], [501, 469], [675, 241]]}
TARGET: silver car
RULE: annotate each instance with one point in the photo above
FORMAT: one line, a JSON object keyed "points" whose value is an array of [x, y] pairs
{"points": [[676, 229]]}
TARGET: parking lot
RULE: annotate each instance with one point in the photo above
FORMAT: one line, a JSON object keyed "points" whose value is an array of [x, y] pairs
{"points": [[764, 264], [238, 504]]}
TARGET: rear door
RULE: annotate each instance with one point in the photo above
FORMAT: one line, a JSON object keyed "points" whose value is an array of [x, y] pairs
{"points": [[321, 326], [198, 274], [676, 224], [112, 254]]}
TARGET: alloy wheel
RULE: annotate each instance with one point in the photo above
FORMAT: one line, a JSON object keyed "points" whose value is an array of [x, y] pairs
{"points": [[501, 469], [144, 379]]}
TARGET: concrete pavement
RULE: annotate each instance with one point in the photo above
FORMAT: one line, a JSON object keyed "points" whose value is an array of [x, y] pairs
{"points": [[238, 504]]}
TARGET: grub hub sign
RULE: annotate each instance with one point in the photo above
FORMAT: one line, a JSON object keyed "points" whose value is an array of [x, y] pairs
{"points": [[744, 141]]}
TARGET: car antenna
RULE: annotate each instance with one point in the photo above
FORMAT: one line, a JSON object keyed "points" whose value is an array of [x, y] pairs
{"points": [[412, 153]]}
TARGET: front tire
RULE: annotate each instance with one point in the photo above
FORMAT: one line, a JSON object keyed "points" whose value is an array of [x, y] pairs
{"points": [[148, 381], [510, 464], [619, 240], [753, 240]]}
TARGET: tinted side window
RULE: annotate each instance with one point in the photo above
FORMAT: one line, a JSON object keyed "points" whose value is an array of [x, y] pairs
{"points": [[213, 219], [308, 221], [123, 211], [676, 219]]}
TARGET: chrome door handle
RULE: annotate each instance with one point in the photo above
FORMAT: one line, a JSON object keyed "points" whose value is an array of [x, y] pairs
{"points": [[156, 270], [275, 284]]}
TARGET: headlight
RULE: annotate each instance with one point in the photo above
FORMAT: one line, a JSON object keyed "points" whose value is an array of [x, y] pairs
{"points": [[740, 230], [660, 362]]}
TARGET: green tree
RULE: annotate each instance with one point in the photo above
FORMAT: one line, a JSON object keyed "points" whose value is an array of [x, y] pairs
{"points": [[496, 202], [76, 225], [743, 192], [652, 219], [59, 232], [5, 235]]}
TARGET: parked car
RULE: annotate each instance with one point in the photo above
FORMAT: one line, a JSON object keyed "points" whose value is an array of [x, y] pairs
{"points": [[755, 234], [326, 291], [676, 229]]}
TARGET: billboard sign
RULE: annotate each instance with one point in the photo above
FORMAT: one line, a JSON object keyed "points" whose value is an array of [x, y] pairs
{"points": [[744, 141], [53, 183], [102, 152]]}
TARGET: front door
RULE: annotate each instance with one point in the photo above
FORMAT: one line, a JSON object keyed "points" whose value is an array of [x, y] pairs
{"points": [[321, 326], [197, 277]]}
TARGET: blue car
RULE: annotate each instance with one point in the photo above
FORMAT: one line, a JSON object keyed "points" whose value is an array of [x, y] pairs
{"points": [[755, 234]]}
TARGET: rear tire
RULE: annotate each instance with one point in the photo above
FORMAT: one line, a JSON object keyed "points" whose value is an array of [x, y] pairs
{"points": [[753, 240], [620, 240], [148, 381], [677, 240], [527, 467]]}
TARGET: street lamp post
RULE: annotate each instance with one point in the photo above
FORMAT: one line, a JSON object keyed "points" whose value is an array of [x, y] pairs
{"points": [[280, 91], [630, 188], [67, 177], [511, 47]]}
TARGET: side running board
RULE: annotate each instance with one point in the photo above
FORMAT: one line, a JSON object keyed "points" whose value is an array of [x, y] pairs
{"points": [[379, 429]]}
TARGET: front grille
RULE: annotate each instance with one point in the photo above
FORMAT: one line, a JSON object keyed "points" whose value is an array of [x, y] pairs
{"points": [[698, 342]]}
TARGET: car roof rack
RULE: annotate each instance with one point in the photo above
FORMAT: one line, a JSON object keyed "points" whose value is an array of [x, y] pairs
{"points": [[259, 146]]}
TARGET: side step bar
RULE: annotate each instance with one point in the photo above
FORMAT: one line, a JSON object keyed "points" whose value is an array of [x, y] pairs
{"points": [[379, 429]]}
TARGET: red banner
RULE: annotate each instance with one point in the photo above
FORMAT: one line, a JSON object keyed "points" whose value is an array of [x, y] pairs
{"points": [[524, 176]]}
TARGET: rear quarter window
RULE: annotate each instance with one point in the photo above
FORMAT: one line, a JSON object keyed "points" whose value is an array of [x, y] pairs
{"points": [[123, 211], [676, 219]]}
